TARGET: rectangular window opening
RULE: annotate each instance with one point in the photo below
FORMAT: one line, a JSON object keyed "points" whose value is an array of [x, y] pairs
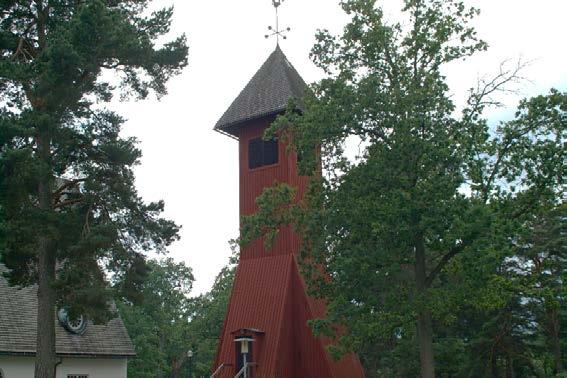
{"points": [[262, 152]]}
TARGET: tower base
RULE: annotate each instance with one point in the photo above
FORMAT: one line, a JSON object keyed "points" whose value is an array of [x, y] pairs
{"points": [[269, 305]]}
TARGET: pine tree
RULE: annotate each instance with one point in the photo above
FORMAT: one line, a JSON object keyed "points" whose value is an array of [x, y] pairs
{"points": [[542, 265], [73, 217]]}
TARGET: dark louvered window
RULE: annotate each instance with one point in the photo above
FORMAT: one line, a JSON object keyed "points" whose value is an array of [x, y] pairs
{"points": [[262, 152], [255, 153]]}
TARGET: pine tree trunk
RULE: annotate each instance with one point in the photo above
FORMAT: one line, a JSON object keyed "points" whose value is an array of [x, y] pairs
{"points": [[424, 328], [494, 366], [177, 365], [45, 357], [175, 368], [556, 340], [509, 367]]}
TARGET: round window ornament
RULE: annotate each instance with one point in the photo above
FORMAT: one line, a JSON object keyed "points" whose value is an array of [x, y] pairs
{"points": [[76, 325]]}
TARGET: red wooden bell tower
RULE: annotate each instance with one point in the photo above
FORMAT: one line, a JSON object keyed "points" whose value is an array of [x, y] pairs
{"points": [[269, 308]]}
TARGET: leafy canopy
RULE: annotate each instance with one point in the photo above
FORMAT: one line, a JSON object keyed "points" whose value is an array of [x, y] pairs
{"points": [[169, 323], [158, 325], [420, 225]]}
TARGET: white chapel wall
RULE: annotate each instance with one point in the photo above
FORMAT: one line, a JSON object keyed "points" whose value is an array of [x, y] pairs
{"points": [[23, 367], [18, 367]]}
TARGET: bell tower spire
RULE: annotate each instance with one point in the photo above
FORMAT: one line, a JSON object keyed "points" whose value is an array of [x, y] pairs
{"points": [[277, 32]]}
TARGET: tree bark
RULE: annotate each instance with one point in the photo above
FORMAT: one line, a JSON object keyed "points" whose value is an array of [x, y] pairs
{"points": [[177, 365], [556, 340], [45, 356], [509, 366], [494, 366], [424, 328]]}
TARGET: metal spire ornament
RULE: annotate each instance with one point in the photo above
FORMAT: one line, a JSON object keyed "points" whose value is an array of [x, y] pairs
{"points": [[277, 32]]}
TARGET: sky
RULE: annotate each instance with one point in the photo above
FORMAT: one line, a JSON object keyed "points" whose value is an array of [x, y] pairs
{"points": [[195, 170]]}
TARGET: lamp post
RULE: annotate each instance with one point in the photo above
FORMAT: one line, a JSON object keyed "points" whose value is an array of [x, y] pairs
{"points": [[245, 344], [190, 357]]}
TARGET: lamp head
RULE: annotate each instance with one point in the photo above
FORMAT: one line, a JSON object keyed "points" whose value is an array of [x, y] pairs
{"points": [[244, 344]]}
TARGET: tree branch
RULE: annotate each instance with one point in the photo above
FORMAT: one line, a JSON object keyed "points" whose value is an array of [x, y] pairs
{"points": [[63, 204], [87, 225], [444, 261], [508, 143], [480, 97], [67, 185]]}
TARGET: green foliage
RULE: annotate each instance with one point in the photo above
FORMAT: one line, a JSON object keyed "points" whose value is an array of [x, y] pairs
{"points": [[427, 221], [207, 314], [168, 322], [158, 326], [66, 180]]}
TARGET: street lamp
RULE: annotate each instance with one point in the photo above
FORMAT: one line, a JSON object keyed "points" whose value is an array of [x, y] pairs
{"points": [[245, 346], [190, 357]]}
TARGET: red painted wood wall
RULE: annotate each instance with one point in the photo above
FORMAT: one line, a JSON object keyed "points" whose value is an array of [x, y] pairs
{"points": [[269, 294], [253, 182]]}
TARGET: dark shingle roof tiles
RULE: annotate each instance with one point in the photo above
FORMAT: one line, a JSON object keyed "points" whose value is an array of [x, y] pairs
{"points": [[18, 311], [267, 93]]}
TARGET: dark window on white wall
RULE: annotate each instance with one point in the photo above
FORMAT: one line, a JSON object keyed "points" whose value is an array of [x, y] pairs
{"points": [[262, 152], [77, 376]]}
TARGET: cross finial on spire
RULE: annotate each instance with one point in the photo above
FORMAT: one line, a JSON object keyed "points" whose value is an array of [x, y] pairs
{"points": [[277, 32]]}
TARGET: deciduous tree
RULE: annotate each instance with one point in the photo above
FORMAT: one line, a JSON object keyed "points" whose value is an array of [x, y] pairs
{"points": [[159, 324], [168, 322], [421, 223]]}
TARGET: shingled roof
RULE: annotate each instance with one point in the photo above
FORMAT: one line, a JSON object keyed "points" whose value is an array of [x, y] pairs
{"points": [[18, 328], [267, 93]]}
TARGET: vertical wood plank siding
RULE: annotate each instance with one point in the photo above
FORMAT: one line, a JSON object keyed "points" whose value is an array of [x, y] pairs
{"points": [[269, 293]]}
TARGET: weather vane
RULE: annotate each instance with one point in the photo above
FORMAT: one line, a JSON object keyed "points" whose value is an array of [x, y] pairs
{"points": [[277, 32]]}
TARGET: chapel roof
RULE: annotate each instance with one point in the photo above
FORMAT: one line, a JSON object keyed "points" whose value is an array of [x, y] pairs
{"points": [[18, 329], [267, 93]]}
